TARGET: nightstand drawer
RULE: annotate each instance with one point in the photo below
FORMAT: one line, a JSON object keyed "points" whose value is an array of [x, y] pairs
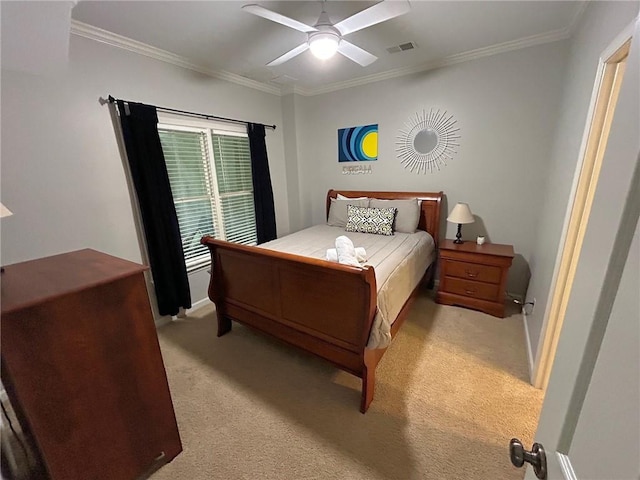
{"points": [[468, 288], [473, 271]]}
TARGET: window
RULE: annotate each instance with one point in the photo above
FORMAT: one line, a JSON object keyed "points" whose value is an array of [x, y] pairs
{"points": [[210, 175]]}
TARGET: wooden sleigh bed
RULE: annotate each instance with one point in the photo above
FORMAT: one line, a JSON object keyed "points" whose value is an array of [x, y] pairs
{"points": [[324, 308]]}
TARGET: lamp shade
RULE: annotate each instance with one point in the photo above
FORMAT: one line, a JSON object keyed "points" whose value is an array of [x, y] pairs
{"points": [[461, 213], [4, 211]]}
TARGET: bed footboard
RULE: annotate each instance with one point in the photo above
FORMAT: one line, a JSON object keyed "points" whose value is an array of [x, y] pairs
{"points": [[322, 307]]}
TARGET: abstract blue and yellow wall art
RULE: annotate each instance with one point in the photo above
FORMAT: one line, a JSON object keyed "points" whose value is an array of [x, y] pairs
{"points": [[358, 144]]}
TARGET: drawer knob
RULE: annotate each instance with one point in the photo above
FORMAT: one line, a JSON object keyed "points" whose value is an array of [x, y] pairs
{"points": [[470, 292], [471, 274]]}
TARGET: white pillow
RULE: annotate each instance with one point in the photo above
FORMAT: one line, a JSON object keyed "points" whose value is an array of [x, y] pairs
{"points": [[342, 197]]}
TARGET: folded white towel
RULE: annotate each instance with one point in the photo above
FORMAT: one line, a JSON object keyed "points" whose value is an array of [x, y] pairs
{"points": [[346, 251], [361, 255]]}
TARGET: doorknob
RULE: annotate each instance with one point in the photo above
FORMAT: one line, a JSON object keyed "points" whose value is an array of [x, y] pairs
{"points": [[536, 457]]}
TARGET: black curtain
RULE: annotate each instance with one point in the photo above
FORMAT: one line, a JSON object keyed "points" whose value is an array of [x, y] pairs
{"points": [[262, 190], [149, 172]]}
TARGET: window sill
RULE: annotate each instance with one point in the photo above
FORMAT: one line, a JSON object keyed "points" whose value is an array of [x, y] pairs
{"points": [[199, 268]]}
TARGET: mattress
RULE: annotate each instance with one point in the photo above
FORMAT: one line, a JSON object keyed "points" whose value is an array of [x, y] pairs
{"points": [[399, 262]]}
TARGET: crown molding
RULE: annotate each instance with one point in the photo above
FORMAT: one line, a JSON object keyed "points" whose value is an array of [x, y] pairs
{"points": [[576, 18], [525, 42], [104, 36]]}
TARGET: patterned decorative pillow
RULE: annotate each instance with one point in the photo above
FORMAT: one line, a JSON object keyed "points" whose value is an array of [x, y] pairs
{"points": [[370, 220]]}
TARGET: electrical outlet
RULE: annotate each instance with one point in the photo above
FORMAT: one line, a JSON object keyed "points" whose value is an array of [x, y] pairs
{"points": [[527, 307], [533, 305]]}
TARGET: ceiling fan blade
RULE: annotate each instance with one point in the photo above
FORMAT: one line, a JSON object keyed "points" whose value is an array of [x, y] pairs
{"points": [[385, 10], [289, 55], [276, 17], [355, 53]]}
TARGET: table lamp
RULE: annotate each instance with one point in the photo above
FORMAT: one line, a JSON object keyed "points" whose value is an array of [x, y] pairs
{"points": [[460, 214]]}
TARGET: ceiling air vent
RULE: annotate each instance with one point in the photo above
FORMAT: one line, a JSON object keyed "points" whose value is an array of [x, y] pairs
{"points": [[402, 47]]}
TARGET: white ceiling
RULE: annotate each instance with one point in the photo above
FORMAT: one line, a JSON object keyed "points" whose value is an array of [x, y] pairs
{"points": [[219, 36]]}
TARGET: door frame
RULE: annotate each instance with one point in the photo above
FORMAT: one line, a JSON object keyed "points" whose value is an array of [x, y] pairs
{"points": [[579, 205]]}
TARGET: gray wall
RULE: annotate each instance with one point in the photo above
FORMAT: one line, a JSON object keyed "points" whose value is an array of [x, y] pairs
{"points": [[62, 175], [600, 24], [292, 154], [506, 107]]}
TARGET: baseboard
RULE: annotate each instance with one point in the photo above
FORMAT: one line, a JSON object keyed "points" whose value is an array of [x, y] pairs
{"points": [[199, 304], [528, 342], [161, 321], [565, 465]]}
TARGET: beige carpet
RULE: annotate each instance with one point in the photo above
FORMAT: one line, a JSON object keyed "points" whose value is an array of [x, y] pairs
{"points": [[451, 392]]}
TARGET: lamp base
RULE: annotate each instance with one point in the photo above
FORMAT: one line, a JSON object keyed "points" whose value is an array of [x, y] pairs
{"points": [[458, 239]]}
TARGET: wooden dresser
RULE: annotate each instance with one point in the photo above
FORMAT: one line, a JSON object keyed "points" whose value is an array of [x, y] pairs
{"points": [[474, 276], [82, 367]]}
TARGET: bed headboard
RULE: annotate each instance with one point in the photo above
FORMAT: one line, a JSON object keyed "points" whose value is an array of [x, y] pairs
{"points": [[430, 208]]}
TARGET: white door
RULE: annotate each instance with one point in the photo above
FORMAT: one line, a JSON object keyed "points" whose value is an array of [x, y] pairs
{"points": [[590, 420]]}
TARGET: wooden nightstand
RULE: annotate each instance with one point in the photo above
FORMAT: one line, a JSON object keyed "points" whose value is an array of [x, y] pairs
{"points": [[474, 276]]}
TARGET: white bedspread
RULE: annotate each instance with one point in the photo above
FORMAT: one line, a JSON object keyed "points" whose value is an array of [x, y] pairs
{"points": [[399, 262]]}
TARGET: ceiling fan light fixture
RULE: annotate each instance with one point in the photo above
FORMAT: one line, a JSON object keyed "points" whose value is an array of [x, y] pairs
{"points": [[325, 38], [324, 45]]}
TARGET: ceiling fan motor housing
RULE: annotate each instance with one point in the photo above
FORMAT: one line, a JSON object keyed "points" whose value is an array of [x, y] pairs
{"points": [[325, 31]]}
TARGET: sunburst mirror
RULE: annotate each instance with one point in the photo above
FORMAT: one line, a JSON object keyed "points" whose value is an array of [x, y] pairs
{"points": [[427, 141]]}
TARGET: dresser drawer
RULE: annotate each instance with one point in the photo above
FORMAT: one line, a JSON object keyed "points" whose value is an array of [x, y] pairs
{"points": [[473, 271], [468, 288]]}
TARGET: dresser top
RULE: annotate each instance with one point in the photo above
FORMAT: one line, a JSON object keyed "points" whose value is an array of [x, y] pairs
{"points": [[29, 283], [472, 247]]}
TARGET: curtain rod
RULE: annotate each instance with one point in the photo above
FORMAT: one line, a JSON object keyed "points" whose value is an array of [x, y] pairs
{"points": [[192, 114]]}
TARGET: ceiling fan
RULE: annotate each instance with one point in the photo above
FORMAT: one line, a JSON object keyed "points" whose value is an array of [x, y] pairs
{"points": [[324, 39]]}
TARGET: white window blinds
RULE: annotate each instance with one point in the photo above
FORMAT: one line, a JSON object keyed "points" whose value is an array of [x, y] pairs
{"points": [[233, 170], [210, 176]]}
